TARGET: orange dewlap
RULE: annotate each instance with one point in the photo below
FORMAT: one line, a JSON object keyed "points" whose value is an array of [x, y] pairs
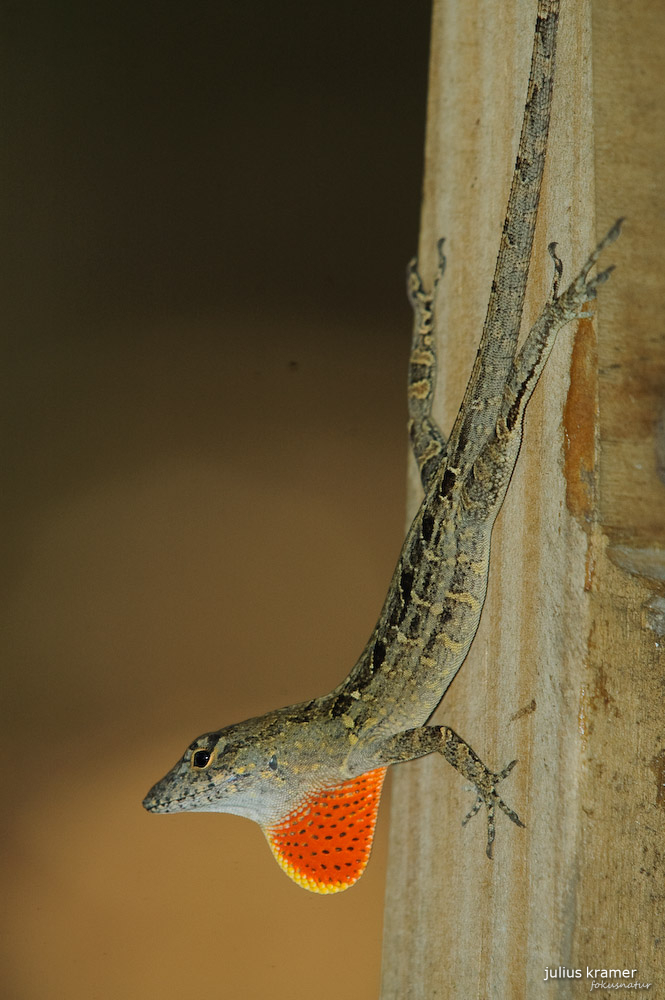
{"points": [[324, 843]]}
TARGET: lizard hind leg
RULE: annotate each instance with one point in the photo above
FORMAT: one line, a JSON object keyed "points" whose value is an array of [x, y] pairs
{"points": [[558, 270], [427, 441], [484, 489], [561, 309]]}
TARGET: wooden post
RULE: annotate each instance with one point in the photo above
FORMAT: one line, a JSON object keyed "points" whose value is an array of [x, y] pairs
{"points": [[567, 671]]}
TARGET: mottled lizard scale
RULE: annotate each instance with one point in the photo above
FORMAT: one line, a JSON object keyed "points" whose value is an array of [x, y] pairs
{"points": [[427, 441]]}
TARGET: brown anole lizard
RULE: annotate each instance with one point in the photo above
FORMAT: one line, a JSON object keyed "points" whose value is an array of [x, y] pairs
{"points": [[311, 774]]}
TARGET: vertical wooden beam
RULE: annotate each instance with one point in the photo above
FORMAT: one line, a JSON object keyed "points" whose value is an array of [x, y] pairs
{"points": [[567, 671]]}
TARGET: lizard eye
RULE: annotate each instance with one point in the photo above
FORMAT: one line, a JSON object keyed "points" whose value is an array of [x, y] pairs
{"points": [[201, 759]]}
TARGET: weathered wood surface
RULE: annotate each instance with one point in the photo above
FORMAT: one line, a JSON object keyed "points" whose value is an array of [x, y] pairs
{"points": [[567, 671]]}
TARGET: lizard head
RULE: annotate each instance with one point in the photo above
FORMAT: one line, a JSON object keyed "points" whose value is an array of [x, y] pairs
{"points": [[244, 769], [282, 773]]}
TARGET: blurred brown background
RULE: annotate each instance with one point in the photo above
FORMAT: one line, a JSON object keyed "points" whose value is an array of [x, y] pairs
{"points": [[207, 213]]}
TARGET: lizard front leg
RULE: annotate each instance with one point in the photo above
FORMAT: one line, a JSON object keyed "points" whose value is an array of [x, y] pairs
{"points": [[414, 743], [427, 441]]}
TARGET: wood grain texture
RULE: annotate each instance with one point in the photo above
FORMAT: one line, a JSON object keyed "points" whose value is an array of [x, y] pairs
{"points": [[566, 672]]}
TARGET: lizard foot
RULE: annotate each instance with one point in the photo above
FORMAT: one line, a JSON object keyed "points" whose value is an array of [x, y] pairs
{"points": [[487, 795]]}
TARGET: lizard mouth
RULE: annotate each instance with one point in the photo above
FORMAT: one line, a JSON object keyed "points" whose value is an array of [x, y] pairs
{"points": [[154, 805], [159, 801]]}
